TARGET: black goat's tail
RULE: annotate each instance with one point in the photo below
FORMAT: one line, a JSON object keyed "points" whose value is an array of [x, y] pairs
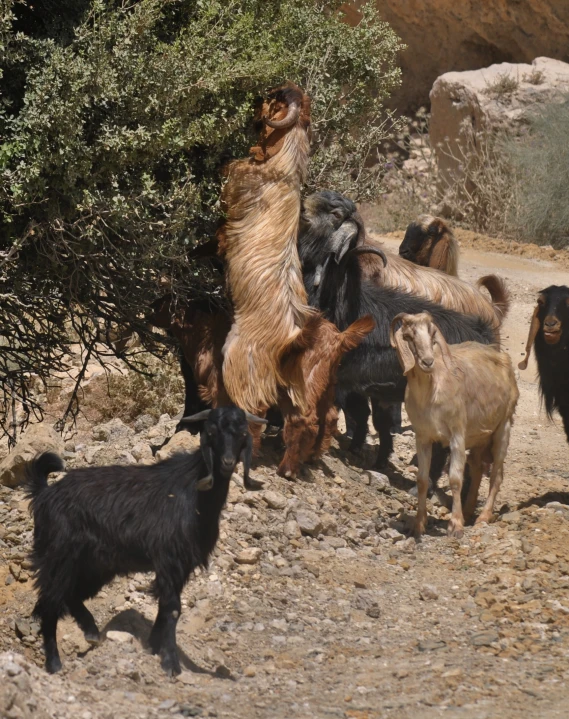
{"points": [[499, 294], [38, 470]]}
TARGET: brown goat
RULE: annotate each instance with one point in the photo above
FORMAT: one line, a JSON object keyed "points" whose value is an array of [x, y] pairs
{"points": [[258, 241], [429, 242], [307, 434], [449, 291]]}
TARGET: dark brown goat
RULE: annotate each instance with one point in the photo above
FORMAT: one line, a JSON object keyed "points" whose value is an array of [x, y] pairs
{"points": [[307, 434], [429, 242]]}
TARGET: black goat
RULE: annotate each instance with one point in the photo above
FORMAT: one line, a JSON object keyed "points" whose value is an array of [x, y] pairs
{"points": [[372, 369], [100, 522], [549, 331]]}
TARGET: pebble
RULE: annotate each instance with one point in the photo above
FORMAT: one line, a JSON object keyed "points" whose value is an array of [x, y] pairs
{"points": [[274, 500], [428, 592], [484, 639], [119, 637], [251, 555], [309, 522]]}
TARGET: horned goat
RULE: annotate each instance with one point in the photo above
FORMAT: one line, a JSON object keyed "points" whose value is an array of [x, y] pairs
{"points": [[258, 241], [549, 334], [463, 396], [100, 522], [429, 242]]}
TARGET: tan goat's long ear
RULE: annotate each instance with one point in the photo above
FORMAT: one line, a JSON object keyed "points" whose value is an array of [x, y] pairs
{"points": [[406, 357], [533, 330], [442, 343]]}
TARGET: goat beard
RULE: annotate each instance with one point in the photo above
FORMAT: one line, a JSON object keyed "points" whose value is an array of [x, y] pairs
{"points": [[265, 275]]}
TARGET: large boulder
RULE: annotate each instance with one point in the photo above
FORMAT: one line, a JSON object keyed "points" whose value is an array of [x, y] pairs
{"points": [[37, 438], [478, 102], [444, 35]]}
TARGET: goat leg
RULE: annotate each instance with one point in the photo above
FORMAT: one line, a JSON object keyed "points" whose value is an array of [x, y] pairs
{"points": [[500, 442], [475, 464], [48, 617], [455, 475], [424, 451], [382, 421], [163, 635], [85, 620]]}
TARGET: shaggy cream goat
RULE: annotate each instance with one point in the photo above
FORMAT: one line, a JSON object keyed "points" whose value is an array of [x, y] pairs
{"points": [[463, 396], [264, 276]]}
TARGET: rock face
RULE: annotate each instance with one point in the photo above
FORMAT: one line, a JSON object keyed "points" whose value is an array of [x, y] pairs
{"points": [[444, 35], [37, 438], [481, 101]]}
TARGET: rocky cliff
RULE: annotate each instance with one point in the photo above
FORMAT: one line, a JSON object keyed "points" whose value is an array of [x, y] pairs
{"points": [[445, 35]]}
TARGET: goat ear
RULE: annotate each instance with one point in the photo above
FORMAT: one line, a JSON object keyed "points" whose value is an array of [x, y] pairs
{"points": [[533, 330], [246, 456], [439, 255], [406, 356], [442, 343]]}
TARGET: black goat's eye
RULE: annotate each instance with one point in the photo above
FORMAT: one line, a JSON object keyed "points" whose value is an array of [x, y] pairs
{"points": [[245, 434]]}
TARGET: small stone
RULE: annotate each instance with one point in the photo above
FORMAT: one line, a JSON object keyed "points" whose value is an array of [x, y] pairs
{"points": [[428, 592], [250, 671], [9, 580], [329, 524], [251, 555], [308, 522], [345, 553], [15, 570], [275, 500], [378, 480], [373, 611], [511, 517], [119, 637], [431, 645], [484, 639]]}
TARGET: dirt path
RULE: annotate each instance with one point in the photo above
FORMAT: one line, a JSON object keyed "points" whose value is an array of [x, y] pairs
{"points": [[356, 621]]}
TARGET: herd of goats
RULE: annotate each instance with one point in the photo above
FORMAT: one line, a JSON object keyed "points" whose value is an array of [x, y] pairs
{"points": [[322, 318]]}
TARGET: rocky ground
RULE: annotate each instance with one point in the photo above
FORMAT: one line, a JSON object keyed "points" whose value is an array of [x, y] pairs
{"points": [[316, 604]]}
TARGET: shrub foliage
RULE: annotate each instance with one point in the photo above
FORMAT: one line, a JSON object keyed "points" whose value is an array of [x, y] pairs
{"points": [[115, 121]]}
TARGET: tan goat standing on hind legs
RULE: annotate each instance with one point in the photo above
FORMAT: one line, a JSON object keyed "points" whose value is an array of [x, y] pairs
{"points": [[462, 395], [264, 275]]}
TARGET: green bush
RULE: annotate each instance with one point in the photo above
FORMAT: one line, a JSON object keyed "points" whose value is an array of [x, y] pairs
{"points": [[116, 118]]}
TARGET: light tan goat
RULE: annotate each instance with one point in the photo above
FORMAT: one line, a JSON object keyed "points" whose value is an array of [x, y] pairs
{"points": [[463, 396], [264, 276]]}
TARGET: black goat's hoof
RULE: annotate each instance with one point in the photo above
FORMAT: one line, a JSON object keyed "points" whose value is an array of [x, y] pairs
{"points": [[92, 638], [171, 666], [53, 665]]}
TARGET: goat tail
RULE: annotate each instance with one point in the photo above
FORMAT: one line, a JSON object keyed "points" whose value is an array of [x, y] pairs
{"points": [[351, 337], [37, 471], [498, 292]]}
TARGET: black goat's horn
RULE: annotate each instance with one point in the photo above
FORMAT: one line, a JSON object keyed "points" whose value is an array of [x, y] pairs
{"points": [[287, 121], [367, 249], [253, 418], [204, 414]]}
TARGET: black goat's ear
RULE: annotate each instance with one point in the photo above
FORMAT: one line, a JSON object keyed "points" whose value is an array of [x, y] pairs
{"points": [[246, 457]]}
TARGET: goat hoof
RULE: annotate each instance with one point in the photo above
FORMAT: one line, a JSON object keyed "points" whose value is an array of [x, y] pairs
{"points": [[171, 666], [456, 531], [92, 638], [52, 666]]}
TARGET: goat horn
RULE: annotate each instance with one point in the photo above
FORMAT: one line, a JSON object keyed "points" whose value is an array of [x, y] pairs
{"points": [[368, 249], [291, 117], [204, 414], [394, 321], [253, 418], [533, 330]]}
